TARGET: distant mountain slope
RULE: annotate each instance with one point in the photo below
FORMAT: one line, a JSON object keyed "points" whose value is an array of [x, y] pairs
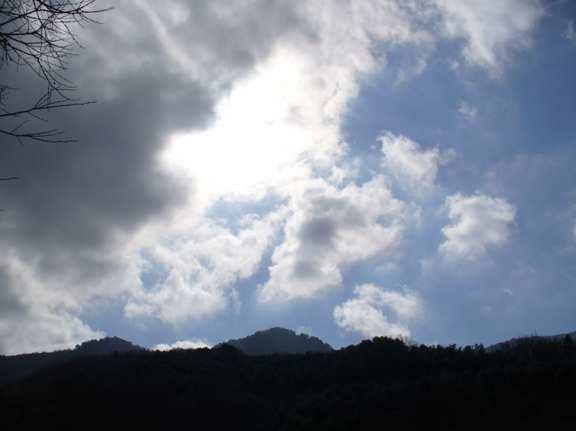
{"points": [[13, 368], [515, 341], [279, 340], [106, 346]]}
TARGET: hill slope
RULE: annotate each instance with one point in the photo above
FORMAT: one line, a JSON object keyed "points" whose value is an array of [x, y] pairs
{"points": [[13, 368], [279, 340], [531, 339]]}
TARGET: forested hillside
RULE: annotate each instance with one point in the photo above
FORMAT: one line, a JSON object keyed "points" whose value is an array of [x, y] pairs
{"points": [[383, 382]]}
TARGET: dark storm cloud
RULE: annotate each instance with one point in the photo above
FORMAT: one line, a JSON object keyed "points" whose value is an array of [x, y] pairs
{"points": [[109, 175], [9, 302], [73, 199]]}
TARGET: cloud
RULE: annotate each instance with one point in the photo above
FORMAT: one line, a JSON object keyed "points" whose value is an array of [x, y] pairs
{"points": [[75, 221], [368, 313], [492, 30], [570, 32], [274, 133], [413, 167], [33, 318], [183, 344], [197, 269], [43, 331], [203, 104], [479, 222], [468, 112], [328, 229]]}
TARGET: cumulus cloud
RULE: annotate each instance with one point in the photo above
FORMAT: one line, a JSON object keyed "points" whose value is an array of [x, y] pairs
{"points": [[197, 269], [412, 166], [183, 344], [43, 330], [34, 317], [369, 312], [328, 229], [492, 30], [296, 98], [479, 222]]}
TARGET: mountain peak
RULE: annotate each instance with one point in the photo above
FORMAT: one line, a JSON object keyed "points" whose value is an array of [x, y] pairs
{"points": [[105, 346], [279, 340], [277, 330]]}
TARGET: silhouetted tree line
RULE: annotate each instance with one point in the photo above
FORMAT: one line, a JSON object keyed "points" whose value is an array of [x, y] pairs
{"points": [[16, 367], [376, 384]]}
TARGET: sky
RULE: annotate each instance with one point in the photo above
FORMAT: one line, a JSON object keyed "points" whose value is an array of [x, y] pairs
{"points": [[347, 169]]}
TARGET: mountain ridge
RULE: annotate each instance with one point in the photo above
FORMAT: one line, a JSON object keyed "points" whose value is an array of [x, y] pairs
{"points": [[377, 383], [275, 340]]}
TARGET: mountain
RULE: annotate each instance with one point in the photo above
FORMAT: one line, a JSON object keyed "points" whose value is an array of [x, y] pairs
{"points": [[513, 342], [376, 384], [279, 340], [13, 368], [106, 346]]}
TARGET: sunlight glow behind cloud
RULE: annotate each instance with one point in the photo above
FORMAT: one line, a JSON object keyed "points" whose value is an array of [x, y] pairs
{"points": [[264, 128]]}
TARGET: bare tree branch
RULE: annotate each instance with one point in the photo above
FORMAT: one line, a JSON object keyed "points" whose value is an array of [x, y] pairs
{"points": [[38, 35]]}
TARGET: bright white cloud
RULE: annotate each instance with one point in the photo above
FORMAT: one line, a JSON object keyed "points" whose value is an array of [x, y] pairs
{"points": [[491, 29], [412, 166], [369, 312], [479, 222], [198, 264], [288, 110], [183, 344], [265, 127], [328, 229], [277, 128]]}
